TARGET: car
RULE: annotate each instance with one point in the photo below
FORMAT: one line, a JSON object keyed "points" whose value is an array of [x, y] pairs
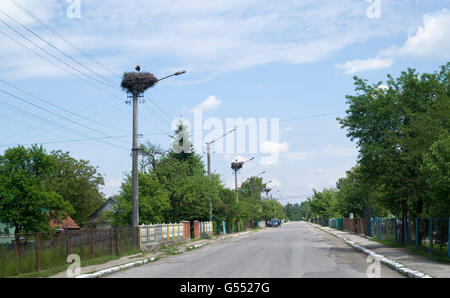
{"points": [[275, 223]]}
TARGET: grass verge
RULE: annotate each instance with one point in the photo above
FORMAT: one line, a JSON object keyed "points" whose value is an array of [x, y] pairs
{"points": [[61, 268], [412, 248]]}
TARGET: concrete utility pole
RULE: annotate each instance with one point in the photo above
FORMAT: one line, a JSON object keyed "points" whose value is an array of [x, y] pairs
{"points": [[136, 83], [252, 180], [274, 194], [236, 166], [134, 170], [208, 149]]}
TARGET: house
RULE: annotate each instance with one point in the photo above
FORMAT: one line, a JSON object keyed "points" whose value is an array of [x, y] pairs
{"points": [[4, 239], [98, 219], [66, 224]]}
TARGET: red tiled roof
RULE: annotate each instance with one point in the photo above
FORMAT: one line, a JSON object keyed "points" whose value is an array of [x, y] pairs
{"points": [[67, 223]]}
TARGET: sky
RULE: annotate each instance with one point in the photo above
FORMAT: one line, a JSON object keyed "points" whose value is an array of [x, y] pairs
{"points": [[290, 62]]}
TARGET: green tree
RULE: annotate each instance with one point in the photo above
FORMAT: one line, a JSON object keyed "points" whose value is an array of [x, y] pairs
{"points": [[154, 202], [324, 204], [356, 196], [393, 128], [26, 200], [272, 209], [78, 182], [436, 168]]}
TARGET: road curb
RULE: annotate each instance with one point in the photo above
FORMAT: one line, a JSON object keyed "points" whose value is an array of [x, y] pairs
{"points": [[115, 269], [111, 270], [400, 268]]}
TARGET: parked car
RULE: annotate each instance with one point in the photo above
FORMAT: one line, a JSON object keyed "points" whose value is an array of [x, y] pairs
{"points": [[275, 223]]}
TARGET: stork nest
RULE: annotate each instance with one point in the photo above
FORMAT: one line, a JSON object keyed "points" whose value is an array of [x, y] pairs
{"points": [[138, 82]]}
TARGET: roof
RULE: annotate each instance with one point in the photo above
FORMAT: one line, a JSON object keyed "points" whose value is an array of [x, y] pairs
{"points": [[66, 224], [110, 202]]}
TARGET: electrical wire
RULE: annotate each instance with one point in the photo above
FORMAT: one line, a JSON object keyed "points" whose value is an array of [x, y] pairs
{"points": [[57, 49], [49, 28], [55, 114]]}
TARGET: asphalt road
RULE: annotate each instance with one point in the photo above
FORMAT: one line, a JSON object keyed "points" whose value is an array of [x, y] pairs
{"points": [[292, 251]]}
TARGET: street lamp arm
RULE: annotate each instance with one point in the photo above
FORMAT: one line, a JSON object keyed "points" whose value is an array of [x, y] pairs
{"points": [[213, 141], [249, 160], [175, 74]]}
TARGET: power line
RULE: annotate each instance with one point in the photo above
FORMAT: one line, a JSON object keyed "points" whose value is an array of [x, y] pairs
{"points": [[53, 113], [44, 24], [56, 106], [57, 49], [53, 63], [311, 116], [149, 121], [169, 118], [76, 140], [23, 113]]}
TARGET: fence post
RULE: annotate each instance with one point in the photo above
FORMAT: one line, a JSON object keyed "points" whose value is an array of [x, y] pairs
{"points": [[387, 229], [111, 241], [116, 242], [378, 228], [371, 227], [431, 235], [417, 233], [395, 230], [140, 236], [67, 243], [36, 244], [92, 244], [405, 226]]}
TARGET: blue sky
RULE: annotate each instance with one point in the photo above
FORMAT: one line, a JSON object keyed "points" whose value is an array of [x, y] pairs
{"points": [[251, 59]]}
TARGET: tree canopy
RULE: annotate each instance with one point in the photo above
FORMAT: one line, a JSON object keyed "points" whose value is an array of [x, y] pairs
{"points": [[402, 132]]}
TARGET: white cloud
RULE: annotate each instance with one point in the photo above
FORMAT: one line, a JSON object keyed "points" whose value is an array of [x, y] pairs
{"points": [[211, 103], [213, 37], [269, 147], [358, 65], [431, 40], [43, 9]]}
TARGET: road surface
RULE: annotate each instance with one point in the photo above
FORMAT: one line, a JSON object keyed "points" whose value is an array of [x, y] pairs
{"points": [[293, 251]]}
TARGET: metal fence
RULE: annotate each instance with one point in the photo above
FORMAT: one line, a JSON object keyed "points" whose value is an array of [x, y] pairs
{"points": [[149, 234], [426, 234], [25, 253], [206, 227]]}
